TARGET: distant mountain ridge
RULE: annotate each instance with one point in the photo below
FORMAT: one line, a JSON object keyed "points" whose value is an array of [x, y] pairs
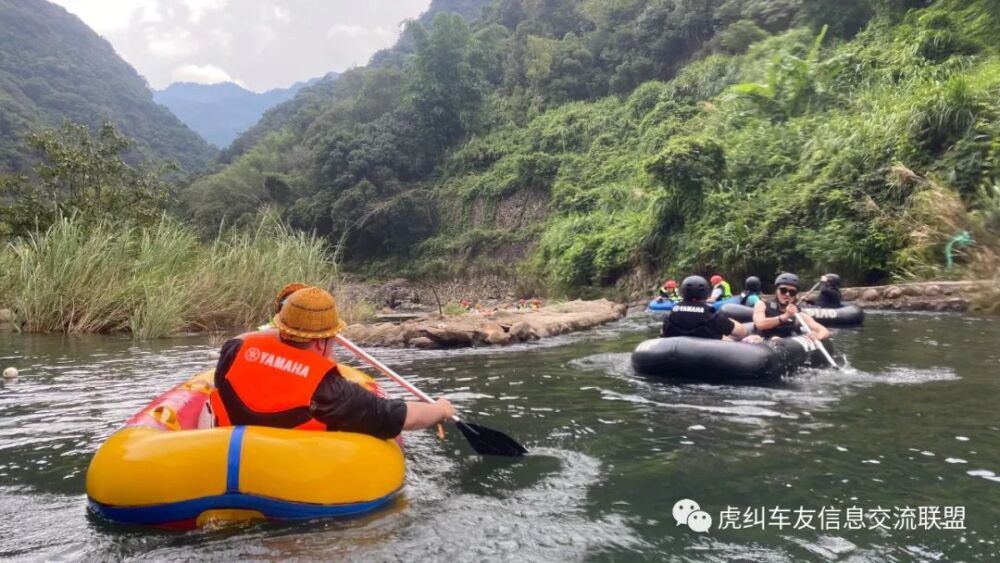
{"points": [[54, 68], [220, 112]]}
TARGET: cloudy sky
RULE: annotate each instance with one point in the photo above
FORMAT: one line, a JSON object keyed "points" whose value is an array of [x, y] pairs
{"points": [[259, 44]]}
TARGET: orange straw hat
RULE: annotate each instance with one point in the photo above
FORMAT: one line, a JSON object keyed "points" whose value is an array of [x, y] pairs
{"points": [[289, 289], [309, 314]]}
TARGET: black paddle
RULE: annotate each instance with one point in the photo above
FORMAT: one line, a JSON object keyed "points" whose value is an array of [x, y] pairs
{"points": [[485, 441]]}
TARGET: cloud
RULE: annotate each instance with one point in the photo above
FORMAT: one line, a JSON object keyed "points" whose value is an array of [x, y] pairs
{"points": [[202, 74], [282, 14], [171, 45], [198, 8], [340, 31], [265, 43]]}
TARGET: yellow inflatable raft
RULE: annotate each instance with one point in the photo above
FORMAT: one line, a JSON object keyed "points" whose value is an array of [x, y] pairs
{"points": [[161, 469]]}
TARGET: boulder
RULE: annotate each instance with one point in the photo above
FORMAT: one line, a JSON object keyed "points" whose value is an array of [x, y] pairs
{"points": [[913, 290], [849, 294], [423, 343], [870, 295], [492, 333], [893, 292], [932, 290], [357, 332], [448, 337], [522, 331]]}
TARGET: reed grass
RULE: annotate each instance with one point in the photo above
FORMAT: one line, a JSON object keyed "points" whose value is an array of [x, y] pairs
{"points": [[79, 277]]}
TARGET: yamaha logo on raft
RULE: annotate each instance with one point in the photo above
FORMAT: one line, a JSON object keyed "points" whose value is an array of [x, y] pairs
{"points": [[277, 362]]}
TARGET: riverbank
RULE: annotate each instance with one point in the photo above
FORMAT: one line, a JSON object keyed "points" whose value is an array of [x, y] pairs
{"points": [[927, 296], [500, 327]]}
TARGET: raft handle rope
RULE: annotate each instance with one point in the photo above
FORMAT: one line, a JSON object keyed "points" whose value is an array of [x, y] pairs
{"points": [[485, 441]]}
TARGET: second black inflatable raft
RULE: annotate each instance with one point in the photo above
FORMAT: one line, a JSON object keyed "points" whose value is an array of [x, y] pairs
{"points": [[848, 315], [720, 361]]}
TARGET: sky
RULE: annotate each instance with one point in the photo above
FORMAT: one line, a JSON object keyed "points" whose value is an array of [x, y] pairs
{"points": [[259, 44]]}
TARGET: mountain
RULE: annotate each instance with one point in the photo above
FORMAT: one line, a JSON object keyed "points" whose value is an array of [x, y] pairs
{"points": [[220, 112], [55, 68], [578, 146]]}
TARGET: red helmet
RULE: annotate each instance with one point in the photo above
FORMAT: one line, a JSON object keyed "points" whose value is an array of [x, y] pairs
{"points": [[716, 279], [670, 284]]}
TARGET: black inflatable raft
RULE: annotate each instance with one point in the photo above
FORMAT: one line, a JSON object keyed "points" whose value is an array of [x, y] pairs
{"points": [[720, 361], [848, 315]]}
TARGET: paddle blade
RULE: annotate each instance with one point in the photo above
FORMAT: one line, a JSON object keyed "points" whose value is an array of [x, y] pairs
{"points": [[487, 441]]}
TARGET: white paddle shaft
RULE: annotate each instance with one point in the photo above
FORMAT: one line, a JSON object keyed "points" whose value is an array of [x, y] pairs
{"points": [[819, 344]]}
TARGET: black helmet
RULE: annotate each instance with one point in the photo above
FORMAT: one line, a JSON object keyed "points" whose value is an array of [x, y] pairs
{"points": [[833, 280], [752, 284], [694, 287], [787, 279]]}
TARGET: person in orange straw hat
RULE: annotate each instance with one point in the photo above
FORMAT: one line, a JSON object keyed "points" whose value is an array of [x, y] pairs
{"points": [[279, 300], [287, 377]]}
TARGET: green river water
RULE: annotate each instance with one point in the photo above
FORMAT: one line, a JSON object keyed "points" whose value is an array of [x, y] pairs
{"points": [[909, 435]]}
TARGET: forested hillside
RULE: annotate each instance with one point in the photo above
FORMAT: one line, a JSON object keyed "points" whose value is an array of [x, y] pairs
{"points": [[53, 68], [593, 143], [220, 112]]}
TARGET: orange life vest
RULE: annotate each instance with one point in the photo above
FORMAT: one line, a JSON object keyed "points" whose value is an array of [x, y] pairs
{"points": [[269, 383]]}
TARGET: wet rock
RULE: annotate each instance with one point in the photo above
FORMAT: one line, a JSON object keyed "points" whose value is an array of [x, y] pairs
{"points": [[521, 331], [449, 336], [870, 294], [423, 343], [913, 290], [893, 292], [849, 294], [496, 328], [492, 333]]}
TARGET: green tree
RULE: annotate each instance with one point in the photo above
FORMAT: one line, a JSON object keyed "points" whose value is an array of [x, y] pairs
{"points": [[444, 88], [82, 174]]}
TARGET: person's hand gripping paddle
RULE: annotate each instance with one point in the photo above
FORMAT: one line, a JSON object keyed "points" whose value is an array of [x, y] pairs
{"points": [[819, 344], [485, 441]]}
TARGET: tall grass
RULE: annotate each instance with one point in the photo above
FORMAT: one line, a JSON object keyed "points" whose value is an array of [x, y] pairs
{"points": [[79, 277]]}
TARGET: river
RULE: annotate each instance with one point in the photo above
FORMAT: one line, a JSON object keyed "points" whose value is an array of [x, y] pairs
{"points": [[908, 436]]}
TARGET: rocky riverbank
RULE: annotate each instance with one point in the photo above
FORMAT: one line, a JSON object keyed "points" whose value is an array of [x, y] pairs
{"points": [[500, 327], [926, 296]]}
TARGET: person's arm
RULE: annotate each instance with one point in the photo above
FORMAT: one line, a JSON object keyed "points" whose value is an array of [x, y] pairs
{"points": [[739, 330], [723, 325], [762, 322], [716, 294], [819, 332], [227, 355], [347, 406], [423, 415]]}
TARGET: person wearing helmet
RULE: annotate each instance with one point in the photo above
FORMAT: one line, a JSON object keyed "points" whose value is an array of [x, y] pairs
{"points": [[751, 291], [829, 292], [287, 377], [780, 318], [694, 317], [720, 289], [668, 292]]}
